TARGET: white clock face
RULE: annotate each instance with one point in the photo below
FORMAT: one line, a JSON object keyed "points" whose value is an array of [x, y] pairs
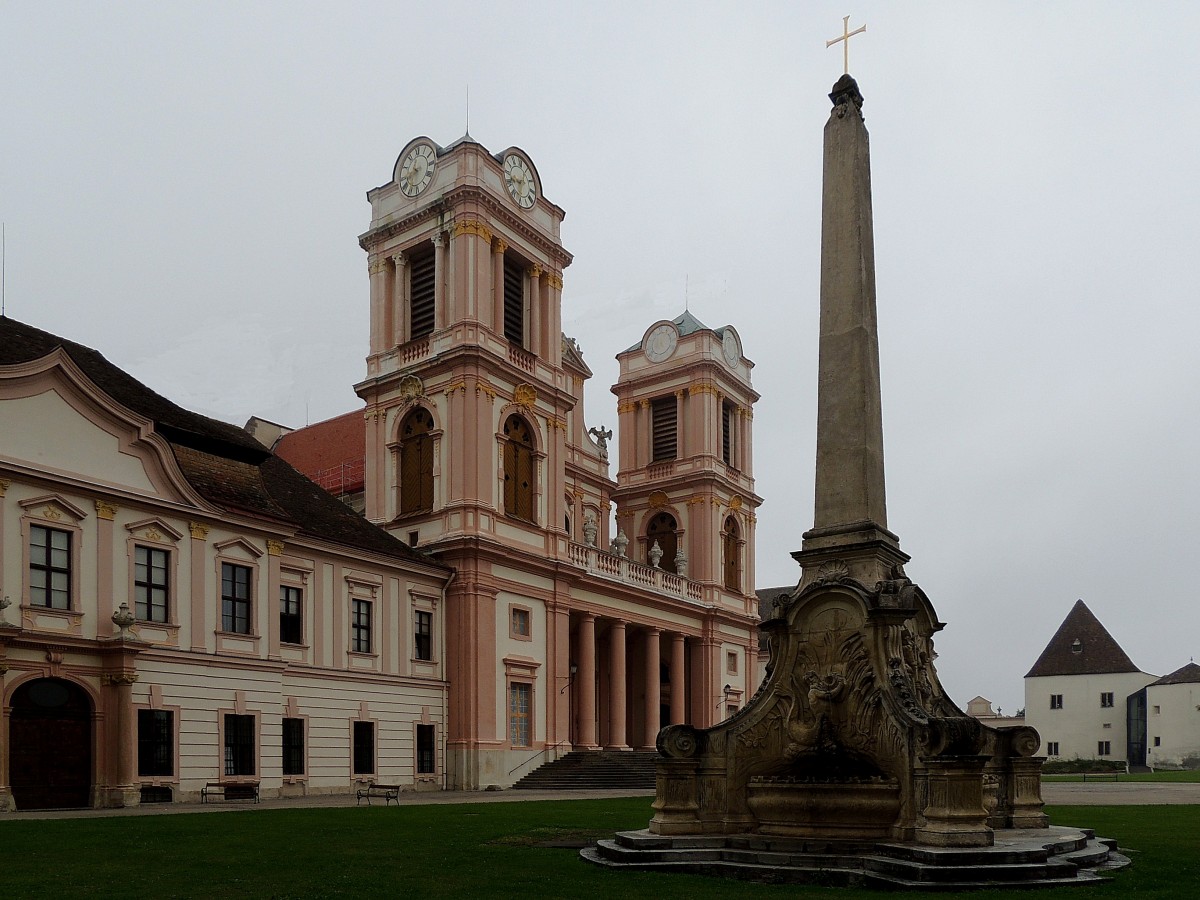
{"points": [[660, 343], [417, 169], [519, 180], [729, 346]]}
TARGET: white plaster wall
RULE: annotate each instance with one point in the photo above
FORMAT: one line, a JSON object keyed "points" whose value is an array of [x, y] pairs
{"points": [[1176, 723], [1082, 723]]}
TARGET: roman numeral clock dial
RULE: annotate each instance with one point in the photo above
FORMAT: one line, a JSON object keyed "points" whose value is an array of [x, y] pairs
{"points": [[519, 180], [417, 169]]}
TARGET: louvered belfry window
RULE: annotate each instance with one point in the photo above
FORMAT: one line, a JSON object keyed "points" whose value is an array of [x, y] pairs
{"points": [[732, 554], [727, 433], [518, 469], [421, 274], [664, 414], [662, 529], [514, 301], [416, 462]]}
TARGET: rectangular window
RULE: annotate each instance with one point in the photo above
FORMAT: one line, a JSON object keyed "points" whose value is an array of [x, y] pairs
{"points": [[49, 567], [1056, 701], [731, 663], [364, 748], [360, 636], [156, 742], [235, 598], [425, 750], [239, 745], [1157, 710], [520, 623], [150, 588], [727, 433], [421, 275], [423, 635], [519, 695], [730, 709], [291, 621], [514, 301], [664, 416], [1158, 742], [1052, 748], [293, 746], [1104, 748], [1106, 699]]}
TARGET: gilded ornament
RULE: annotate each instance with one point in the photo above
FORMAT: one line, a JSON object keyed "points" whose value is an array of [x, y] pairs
{"points": [[153, 534], [525, 395], [499, 245], [274, 548], [482, 387], [472, 226], [455, 386], [106, 510], [50, 512], [658, 499], [411, 387], [4, 484], [535, 271], [735, 503], [199, 530]]}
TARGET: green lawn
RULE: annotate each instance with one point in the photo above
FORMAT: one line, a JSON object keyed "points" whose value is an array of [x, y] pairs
{"points": [[468, 850], [1190, 776]]}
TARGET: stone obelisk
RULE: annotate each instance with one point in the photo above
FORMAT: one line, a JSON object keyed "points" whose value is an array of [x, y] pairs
{"points": [[850, 523]]}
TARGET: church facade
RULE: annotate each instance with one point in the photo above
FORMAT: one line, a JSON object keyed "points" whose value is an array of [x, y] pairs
{"points": [[584, 612]]}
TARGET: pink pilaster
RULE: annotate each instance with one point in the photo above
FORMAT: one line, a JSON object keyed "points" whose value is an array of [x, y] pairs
{"points": [[498, 248], [377, 268], [104, 570], [678, 669], [653, 696], [439, 281], [586, 679], [399, 327], [535, 311], [616, 686], [272, 604]]}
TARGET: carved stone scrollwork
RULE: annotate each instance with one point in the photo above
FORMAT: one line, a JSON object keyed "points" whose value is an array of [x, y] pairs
{"points": [[1025, 741], [678, 742], [951, 736], [833, 572], [411, 387]]}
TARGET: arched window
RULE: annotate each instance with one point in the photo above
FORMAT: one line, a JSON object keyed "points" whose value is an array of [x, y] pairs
{"points": [[731, 545], [518, 469], [662, 529], [416, 462]]}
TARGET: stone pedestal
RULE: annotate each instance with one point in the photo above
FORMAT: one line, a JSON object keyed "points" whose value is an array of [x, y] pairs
{"points": [[955, 815], [675, 804], [1025, 793]]}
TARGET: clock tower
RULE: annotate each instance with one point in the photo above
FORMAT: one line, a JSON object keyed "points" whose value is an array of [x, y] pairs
{"points": [[685, 497]]}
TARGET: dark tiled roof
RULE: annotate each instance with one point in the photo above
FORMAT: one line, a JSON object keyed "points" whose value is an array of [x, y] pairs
{"points": [[221, 461], [1082, 646], [1189, 674]]}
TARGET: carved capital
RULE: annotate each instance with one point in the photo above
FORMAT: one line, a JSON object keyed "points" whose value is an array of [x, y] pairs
{"points": [[472, 226], [274, 548], [455, 386], [555, 281], [535, 271], [482, 387], [376, 265], [199, 531], [4, 484], [399, 260], [626, 406], [106, 510], [643, 404], [119, 678], [499, 245]]}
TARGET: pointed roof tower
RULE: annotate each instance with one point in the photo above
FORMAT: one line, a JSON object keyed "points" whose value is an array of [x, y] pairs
{"points": [[1081, 646]]}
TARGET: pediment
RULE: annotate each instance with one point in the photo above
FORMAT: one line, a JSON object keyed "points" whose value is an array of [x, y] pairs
{"points": [[154, 529], [57, 422], [53, 507], [236, 547]]}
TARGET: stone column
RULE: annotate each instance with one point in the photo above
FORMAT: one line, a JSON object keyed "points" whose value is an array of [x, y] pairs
{"points": [[377, 270], [122, 789], [616, 686], [678, 670], [534, 326], [440, 313], [274, 557], [627, 426], [105, 513], [653, 694], [6, 801], [554, 285], [199, 601], [586, 679], [645, 448], [498, 248], [399, 327]]}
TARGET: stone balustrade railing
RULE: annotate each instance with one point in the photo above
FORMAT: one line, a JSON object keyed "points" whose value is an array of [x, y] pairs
{"points": [[620, 568]]}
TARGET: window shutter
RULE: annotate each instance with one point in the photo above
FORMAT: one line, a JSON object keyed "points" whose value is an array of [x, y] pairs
{"points": [[664, 413], [421, 293]]}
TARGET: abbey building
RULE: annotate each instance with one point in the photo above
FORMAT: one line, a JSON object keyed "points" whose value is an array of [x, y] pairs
{"points": [[185, 615]]}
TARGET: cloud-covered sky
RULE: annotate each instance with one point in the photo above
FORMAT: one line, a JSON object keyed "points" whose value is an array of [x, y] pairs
{"points": [[183, 187]]}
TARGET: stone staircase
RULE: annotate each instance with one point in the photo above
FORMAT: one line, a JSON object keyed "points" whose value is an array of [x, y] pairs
{"points": [[1020, 858], [594, 770]]}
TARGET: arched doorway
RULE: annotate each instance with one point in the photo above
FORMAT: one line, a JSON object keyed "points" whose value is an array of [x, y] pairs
{"points": [[662, 529], [50, 745]]}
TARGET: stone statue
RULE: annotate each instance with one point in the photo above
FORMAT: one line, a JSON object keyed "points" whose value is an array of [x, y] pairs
{"points": [[619, 543], [602, 436], [5, 603], [655, 555], [589, 532], [124, 619], [681, 563]]}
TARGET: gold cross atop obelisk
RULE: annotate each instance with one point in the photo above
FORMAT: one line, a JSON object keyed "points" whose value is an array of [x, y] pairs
{"points": [[845, 41]]}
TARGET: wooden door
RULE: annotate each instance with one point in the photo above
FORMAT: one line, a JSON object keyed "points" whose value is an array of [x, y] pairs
{"points": [[50, 745]]}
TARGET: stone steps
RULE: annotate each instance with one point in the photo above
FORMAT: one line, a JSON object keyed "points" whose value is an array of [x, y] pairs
{"points": [[1020, 858], [594, 770]]}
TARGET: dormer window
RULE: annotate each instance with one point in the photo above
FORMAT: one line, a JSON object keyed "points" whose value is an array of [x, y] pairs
{"points": [[1077, 646]]}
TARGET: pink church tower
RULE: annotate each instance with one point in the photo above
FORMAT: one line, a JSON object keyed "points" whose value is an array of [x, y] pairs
{"points": [[477, 451]]}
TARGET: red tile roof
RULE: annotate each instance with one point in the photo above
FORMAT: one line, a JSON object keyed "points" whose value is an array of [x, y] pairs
{"points": [[332, 453]]}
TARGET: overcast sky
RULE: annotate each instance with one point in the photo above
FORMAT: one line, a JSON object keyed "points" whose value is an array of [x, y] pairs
{"points": [[183, 187]]}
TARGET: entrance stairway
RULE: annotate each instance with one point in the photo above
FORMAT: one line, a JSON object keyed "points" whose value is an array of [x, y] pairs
{"points": [[594, 770]]}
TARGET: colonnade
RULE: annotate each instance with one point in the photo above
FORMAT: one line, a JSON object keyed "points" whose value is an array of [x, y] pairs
{"points": [[618, 666]]}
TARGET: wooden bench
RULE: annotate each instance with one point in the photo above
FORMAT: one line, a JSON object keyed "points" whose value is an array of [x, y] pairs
{"points": [[239, 790], [388, 792], [1101, 776]]}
